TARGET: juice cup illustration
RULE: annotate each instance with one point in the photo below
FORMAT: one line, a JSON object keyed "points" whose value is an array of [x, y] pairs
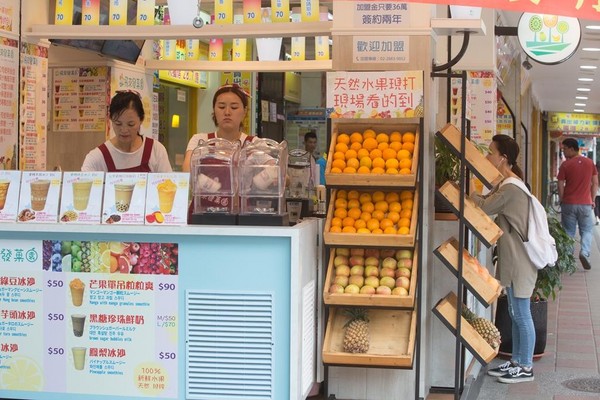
{"points": [[123, 193], [166, 194], [77, 287], [79, 357], [3, 191], [78, 321], [81, 194], [39, 193]]}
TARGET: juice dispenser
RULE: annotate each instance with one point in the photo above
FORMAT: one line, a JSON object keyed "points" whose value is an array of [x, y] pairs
{"points": [[214, 175], [300, 185], [263, 169]]}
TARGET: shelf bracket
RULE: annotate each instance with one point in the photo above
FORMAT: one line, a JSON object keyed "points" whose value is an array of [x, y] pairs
{"points": [[459, 56]]}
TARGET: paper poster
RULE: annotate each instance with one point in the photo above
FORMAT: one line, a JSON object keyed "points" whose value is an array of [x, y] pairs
{"points": [[81, 198], [39, 197], [167, 198], [124, 198], [9, 85]]}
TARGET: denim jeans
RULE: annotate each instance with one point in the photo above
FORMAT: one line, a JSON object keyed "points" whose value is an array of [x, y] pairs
{"points": [[582, 214], [523, 332]]}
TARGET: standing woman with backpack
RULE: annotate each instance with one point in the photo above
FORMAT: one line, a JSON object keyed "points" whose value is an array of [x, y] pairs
{"points": [[516, 272]]}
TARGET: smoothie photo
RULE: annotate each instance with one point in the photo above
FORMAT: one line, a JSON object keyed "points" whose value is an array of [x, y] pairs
{"points": [[77, 287], [81, 194], [123, 193], [78, 321], [3, 191], [166, 194], [39, 193], [79, 357]]}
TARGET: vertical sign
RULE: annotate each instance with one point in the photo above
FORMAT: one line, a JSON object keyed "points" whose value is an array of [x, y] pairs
{"points": [[64, 12], [215, 50], [251, 11], [322, 42], [310, 10], [239, 45], [9, 81], [298, 42], [280, 10], [145, 12], [223, 12], [192, 49], [90, 10], [118, 12]]}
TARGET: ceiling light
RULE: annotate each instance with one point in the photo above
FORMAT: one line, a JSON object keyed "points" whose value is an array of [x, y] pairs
{"points": [[580, 104], [591, 49], [577, 110], [583, 89], [581, 97], [593, 27], [586, 79], [588, 67]]}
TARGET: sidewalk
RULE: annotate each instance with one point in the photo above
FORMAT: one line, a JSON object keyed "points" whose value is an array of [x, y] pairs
{"points": [[573, 346]]}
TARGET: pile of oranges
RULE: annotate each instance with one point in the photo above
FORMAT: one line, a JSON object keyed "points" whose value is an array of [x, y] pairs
{"points": [[373, 153], [378, 212]]}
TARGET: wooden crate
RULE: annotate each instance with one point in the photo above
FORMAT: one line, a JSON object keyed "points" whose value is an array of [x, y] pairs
{"points": [[374, 300], [477, 278], [378, 125], [445, 310], [392, 339], [478, 221], [371, 240], [476, 161]]}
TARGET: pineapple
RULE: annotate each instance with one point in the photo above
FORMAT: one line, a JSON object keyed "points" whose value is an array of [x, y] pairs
{"points": [[484, 327], [419, 109], [356, 337]]}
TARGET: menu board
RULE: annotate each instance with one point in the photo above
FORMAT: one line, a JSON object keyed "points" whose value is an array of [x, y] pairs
{"points": [[39, 197], [9, 136], [81, 198], [80, 96], [167, 198], [96, 318], [124, 198]]}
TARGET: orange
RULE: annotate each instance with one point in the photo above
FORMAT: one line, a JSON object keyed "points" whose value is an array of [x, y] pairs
{"points": [[364, 198], [372, 224], [335, 229], [335, 221], [368, 207], [405, 163], [354, 213], [338, 155], [378, 196], [390, 230], [366, 162], [348, 229], [394, 206], [378, 215], [341, 194], [404, 171], [403, 155], [406, 213], [377, 231], [376, 170], [341, 213], [407, 204], [395, 136], [335, 170], [406, 194], [352, 162], [391, 163], [352, 194], [343, 138], [381, 205], [348, 221], [390, 197], [353, 203], [356, 137], [403, 230], [386, 223], [408, 147], [349, 170], [363, 170], [356, 146], [341, 203], [363, 230], [362, 153], [383, 138], [388, 153], [383, 145], [396, 146], [360, 224], [392, 171], [404, 222], [408, 137], [340, 164], [378, 162], [369, 144], [393, 216], [365, 216], [369, 133], [375, 153], [350, 154], [343, 147]]}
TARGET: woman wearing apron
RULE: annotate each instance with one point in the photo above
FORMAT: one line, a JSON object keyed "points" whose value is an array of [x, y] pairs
{"points": [[127, 151]]}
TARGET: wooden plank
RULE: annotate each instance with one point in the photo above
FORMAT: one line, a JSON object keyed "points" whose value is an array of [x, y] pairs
{"points": [[476, 161], [478, 279], [478, 221], [446, 310], [391, 336]]}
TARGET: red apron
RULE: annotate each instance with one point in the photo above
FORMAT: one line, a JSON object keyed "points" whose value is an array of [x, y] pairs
{"points": [[143, 167]]}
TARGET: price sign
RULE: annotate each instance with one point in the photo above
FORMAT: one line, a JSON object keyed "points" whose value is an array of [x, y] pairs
{"points": [[145, 12], [164, 355], [90, 12], [56, 351], [118, 12], [252, 11], [280, 11], [64, 12], [56, 317], [223, 12], [54, 283]]}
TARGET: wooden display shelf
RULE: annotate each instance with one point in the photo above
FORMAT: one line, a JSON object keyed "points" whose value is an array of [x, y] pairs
{"points": [[478, 164], [476, 277], [446, 311], [478, 221], [370, 239], [371, 300], [391, 336], [389, 125]]}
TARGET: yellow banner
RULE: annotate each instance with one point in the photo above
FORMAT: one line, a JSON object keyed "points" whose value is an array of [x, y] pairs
{"points": [[252, 12], [310, 10], [90, 12], [238, 51], [223, 12], [186, 78], [574, 123], [280, 11], [117, 12], [64, 12], [145, 12], [192, 49], [215, 50]]}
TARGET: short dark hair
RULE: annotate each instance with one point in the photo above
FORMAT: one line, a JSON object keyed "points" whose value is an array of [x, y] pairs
{"points": [[571, 143], [310, 135], [123, 100]]}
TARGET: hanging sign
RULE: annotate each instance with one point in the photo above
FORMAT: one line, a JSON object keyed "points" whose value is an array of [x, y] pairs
{"points": [[145, 12], [310, 10], [573, 123], [118, 12], [90, 11], [252, 12], [64, 12], [280, 11], [223, 12], [548, 39]]}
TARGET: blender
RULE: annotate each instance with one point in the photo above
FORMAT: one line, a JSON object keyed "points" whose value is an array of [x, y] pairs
{"points": [[300, 185]]}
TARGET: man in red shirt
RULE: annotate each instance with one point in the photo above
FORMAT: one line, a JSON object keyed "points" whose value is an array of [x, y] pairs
{"points": [[577, 186]]}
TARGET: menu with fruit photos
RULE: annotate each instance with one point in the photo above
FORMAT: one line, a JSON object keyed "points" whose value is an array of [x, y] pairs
{"points": [[39, 197], [10, 184], [167, 198], [81, 199], [89, 317]]}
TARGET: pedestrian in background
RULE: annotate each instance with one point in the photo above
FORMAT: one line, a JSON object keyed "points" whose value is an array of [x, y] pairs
{"points": [[597, 201], [577, 188]]}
